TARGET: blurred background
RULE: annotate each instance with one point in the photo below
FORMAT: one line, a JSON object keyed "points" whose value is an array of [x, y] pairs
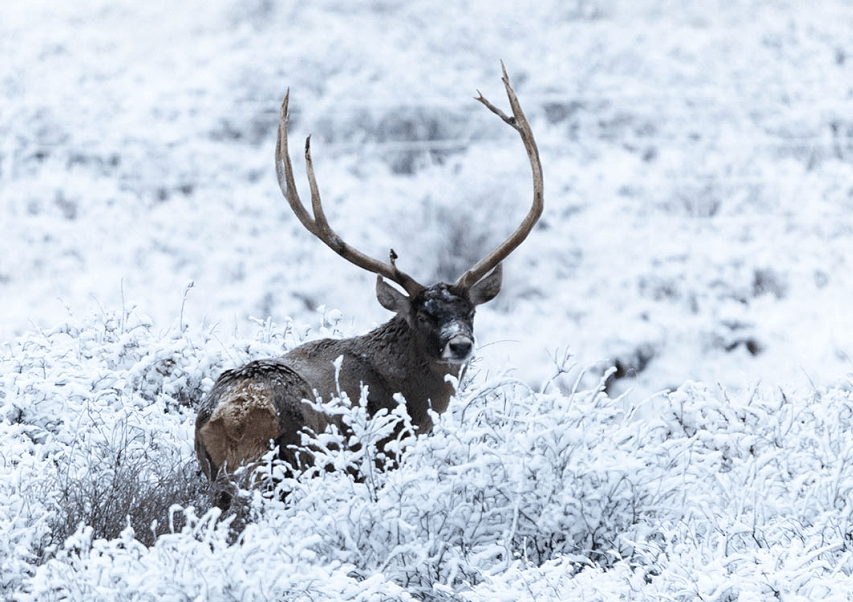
{"points": [[698, 162]]}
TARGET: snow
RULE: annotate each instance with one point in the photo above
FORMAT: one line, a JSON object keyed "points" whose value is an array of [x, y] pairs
{"points": [[698, 228]]}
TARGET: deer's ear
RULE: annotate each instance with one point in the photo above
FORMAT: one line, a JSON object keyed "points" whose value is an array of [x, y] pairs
{"points": [[487, 288], [390, 298]]}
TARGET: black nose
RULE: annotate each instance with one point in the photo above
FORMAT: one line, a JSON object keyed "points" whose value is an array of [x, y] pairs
{"points": [[461, 347]]}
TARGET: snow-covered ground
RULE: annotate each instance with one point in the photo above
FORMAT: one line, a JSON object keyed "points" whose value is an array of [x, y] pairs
{"points": [[698, 227]]}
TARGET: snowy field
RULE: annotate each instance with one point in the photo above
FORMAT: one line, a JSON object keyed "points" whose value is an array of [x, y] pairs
{"points": [[661, 407]]}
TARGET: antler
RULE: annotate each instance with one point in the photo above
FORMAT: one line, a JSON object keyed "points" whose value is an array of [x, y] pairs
{"points": [[519, 122], [319, 226]]}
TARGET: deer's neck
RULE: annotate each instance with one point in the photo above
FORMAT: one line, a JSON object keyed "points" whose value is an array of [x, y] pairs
{"points": [[407, 369]]}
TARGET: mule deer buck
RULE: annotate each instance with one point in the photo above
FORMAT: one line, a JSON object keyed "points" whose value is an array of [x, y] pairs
{"points": [[429, 338]]}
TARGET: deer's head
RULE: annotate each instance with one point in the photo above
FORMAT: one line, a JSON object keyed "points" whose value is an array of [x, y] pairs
{"points": [[441, 316]]}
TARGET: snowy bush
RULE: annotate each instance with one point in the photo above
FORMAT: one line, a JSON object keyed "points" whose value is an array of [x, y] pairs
{"points": [[96, 419], [517, 494]]}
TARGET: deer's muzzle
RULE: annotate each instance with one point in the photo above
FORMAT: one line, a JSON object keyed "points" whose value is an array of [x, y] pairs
{"points": [[458, 348]]}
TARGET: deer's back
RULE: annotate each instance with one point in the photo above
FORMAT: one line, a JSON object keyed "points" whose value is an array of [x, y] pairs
{"points": [[246, 409], [263, 401]]}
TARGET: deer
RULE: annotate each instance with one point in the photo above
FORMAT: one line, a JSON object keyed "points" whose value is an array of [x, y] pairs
{"points": [[267, 402]]}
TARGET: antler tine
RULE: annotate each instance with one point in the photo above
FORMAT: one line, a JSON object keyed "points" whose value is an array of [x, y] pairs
{"points": [[284, 170], [318, 225], [519, 122]]}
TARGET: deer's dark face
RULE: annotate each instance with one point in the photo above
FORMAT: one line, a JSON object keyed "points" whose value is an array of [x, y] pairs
{"points": [[443, 322], [442, 316]]}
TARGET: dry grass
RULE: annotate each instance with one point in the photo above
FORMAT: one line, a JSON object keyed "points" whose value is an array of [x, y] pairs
{"points": [[128, 482]]}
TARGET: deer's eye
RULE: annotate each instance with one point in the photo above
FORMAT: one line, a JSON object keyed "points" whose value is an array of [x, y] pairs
{"points": [[423, 319]]}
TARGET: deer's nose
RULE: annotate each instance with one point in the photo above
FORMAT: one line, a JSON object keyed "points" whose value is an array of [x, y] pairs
{"points": [[458, 348]]}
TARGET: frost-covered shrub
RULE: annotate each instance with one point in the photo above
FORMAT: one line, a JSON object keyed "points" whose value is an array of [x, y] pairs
{"points": [[516, 494], [127, 479], [507, 476], [96, 430]]}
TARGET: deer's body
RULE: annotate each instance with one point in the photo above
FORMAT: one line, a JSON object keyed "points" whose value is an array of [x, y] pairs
{"points": [[268, 394], [429, 338]]}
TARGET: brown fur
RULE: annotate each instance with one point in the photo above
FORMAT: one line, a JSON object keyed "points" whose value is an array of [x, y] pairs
{"points": [[263, 402], [244, 412]]}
